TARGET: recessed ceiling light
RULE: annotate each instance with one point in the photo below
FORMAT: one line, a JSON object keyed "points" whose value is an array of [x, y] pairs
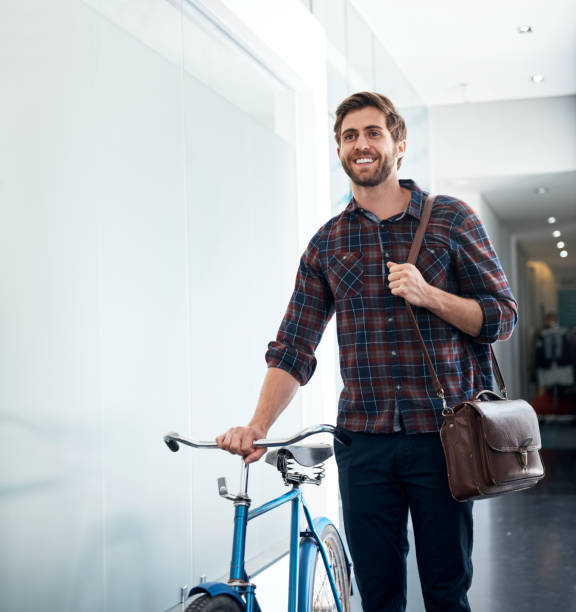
{"points": [[556, 233], [560, 244], [537, 78], [525, 29], [563, 253], [541, 190], [551, 219]]}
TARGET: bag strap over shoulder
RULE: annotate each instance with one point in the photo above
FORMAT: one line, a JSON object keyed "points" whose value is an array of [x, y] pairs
{"points": [[412, 258]]}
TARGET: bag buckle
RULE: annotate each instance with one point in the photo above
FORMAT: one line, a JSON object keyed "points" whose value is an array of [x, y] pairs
{"points": [[523, 457], [523, 452]]}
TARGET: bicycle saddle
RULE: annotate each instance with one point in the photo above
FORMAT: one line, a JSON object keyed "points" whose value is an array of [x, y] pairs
{"points": [[307, 455]]}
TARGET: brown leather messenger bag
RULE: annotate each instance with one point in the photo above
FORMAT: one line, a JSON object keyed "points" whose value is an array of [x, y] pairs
{"points": [[491, 444]]}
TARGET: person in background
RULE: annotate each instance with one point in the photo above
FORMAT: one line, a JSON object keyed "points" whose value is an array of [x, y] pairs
{"points": [[355, 266]]}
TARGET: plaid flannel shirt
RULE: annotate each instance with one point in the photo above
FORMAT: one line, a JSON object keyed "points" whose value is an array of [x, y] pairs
{"points": [[386, 382]]}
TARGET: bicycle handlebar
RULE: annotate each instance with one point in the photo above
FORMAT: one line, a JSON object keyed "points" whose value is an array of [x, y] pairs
{"points": [[173, 439]]}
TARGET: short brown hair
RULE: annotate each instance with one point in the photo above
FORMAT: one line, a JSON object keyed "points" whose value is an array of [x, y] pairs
{"points": [[394, 121]]}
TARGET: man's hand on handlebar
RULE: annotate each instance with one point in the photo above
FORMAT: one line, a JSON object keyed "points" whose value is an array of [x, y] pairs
{"points": [[238, 441]]}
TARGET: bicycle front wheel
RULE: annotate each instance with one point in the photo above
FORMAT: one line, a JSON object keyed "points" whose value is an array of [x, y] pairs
{"points": [[315, 592]]}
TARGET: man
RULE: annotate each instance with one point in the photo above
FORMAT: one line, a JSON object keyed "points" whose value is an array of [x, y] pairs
{"points": [[355, 266]]}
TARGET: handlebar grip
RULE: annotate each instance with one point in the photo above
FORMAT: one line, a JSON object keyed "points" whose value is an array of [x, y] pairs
{"points": [[172, 444]]}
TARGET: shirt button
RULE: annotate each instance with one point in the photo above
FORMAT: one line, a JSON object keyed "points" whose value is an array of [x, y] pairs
{"points": [[398, 387], [389, 319], [393, 353], [386, 254]]}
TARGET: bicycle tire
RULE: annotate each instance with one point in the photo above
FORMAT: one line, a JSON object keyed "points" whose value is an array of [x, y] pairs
{"points": [[219, 603], [316, 592]]}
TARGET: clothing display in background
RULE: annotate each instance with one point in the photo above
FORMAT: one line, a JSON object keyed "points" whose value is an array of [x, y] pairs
{"points": [[555, 371], [554, 366]]}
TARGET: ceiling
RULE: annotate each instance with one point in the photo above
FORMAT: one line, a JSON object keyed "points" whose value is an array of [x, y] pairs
{"points": [[460, 52]]}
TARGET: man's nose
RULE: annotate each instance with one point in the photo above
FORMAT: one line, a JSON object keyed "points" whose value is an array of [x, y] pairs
{"points": [[362, 142]]}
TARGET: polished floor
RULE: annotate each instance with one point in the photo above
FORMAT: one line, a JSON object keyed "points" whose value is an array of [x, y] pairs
{"points": [[525, 543]]}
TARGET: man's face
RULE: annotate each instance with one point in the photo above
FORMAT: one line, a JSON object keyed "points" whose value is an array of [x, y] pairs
{"points": [[367, 150]]}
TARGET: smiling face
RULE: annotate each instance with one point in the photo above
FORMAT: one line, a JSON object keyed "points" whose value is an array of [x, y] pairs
{"points": [[368, 152]]}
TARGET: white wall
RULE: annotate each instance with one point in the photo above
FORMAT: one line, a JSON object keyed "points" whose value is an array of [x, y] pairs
{"points": [[471, 140]]}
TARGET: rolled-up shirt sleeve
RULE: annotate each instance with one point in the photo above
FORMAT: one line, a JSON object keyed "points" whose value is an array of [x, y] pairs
{"points": [[481, 278], [311, 307]]}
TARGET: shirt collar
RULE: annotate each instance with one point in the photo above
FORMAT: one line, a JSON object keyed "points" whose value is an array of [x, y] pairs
{"points": [[414, 207]]}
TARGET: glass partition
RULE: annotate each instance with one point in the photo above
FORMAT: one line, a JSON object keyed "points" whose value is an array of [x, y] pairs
{"points": [[147, 252], [241, 228], [93, 361], [358, 61]]}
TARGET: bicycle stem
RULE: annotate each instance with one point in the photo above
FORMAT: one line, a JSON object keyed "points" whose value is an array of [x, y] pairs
{"points": [[244, 479]]}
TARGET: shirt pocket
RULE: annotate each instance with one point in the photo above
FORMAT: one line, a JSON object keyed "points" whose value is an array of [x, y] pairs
{"points": [[434, 264], [345, 274]]}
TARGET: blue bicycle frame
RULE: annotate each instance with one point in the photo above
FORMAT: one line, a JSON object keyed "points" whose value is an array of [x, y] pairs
{"points": [[238, 585]]}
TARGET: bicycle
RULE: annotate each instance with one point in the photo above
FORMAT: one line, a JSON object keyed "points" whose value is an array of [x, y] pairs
{"points": [[320, 572]]}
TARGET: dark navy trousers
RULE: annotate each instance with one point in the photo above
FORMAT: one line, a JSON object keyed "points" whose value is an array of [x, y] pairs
{"points": [[382, 476]]}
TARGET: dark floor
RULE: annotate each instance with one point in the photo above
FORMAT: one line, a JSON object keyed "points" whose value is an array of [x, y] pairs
{"points": [[525, 543]]}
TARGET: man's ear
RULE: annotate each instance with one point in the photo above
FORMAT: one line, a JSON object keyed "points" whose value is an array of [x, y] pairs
{"points": [[401, 148], [338, 152]]}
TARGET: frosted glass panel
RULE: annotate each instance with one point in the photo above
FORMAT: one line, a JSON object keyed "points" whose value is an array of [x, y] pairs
{"points": [[415, 164], [242, 229], [360, 47], [332, 14], [363, 62], [93, 362], [147, 232], [391, 81]]}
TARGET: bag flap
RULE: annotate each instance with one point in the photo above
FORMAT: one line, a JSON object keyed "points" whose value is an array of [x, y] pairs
{"points": [[509, 425]]}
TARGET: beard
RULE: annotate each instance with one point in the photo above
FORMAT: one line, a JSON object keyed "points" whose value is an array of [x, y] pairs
{"points": [[379, 174]]}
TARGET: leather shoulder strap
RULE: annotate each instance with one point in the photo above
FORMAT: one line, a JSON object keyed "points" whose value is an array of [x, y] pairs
{"points": [[421, 229], [412, 258]]}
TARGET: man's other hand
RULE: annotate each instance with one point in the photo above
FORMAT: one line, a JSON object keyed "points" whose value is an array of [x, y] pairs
{"points": [[238, 441], [405, 280]]}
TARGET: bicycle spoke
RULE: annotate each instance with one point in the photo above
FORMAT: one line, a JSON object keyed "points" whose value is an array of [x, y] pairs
{"points": [[323, 598]]}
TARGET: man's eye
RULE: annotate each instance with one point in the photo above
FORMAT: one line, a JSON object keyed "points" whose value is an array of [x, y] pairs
{"points": [[374, 133], [348, 136]]}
